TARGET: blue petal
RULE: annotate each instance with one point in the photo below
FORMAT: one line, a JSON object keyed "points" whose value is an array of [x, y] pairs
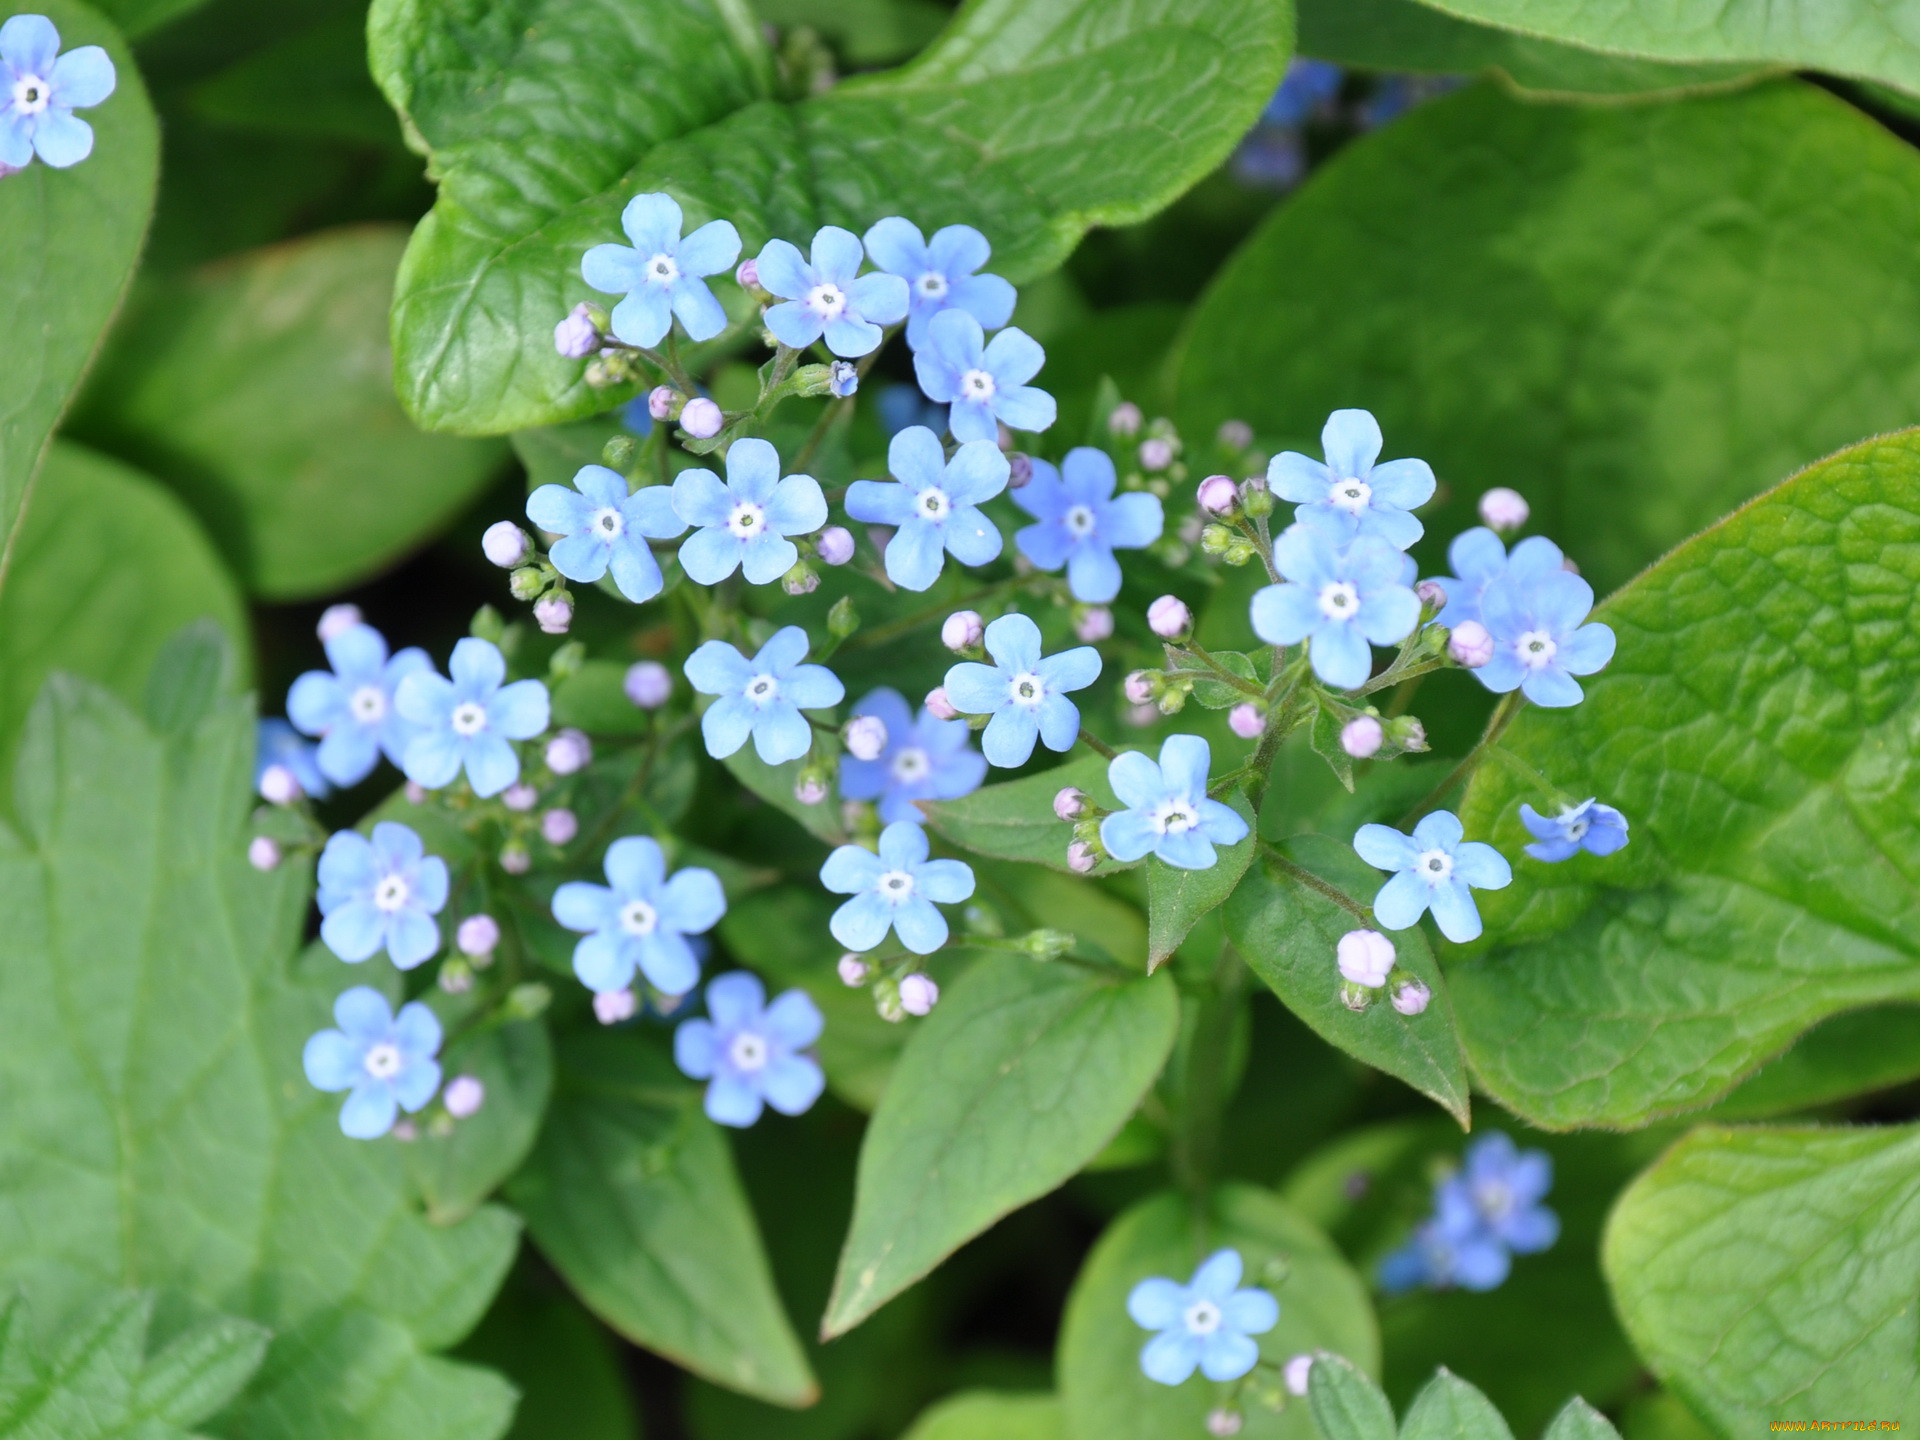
{"points": [[369, 1112], [947, 882], [1351, 442], [1025, 407], [668, 962], [716, 668], [1285, 614], [714, 247], [1133, 520], [732, 1101], [1186, 850], [711, 554], [1551, 688], [1136, 780], [727, 723], [491, 764], [1093, 575], [604, 961], [696, 1048], [1227, 1355], [735, 1000], [881, 299], [1401, 901], [1014, 642], [782, 271], [1156, 1304], [613, 269], [972, 420], [1588, 649], [1170, 1357], [813, 687], [781, 734], [1340, 655], [1481, 866], [354, 931], [765, 558], [1385, 848], [652, 221], [412, 939], [792, 1083], [921, 928], [862, 922], [62, 139], [30, 43], [1293, 476], [1059, 722], [692, 901], [582, 907], [348, 754], [793, 1020], [582, 557], [1009, 737], [635, 570], [1441, 830], [1454, 911], [793, 324], [976, 689], [644, 317], [896, 245], [332, 1061], [1128, 834], [797, 506], [915, 555], [850, 337]]}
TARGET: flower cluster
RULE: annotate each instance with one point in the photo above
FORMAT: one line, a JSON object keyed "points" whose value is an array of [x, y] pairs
{"points": [[1520, 620], [1484, 1214]]}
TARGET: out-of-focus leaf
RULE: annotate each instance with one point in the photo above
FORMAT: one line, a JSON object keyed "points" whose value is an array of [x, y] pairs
{"points": [[991, 1415], [567, 1367], [311, 83]]}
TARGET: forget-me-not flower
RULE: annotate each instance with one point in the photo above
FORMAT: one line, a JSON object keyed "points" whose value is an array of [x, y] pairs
{"points": [[1484, 1214], [745, 522], [1479, 558], [662, 274], [1024, 693], [1435, 869], [925, 759], [1168, 813], [982, 383], [40, 89], [762, 697], [1598, 829], [1350, 495], [1206, 1324], [1080, 522], [750, 1052], [606, 529], [386, 1060], [935, 505], [1338, 599], [1307, 85], [824, 297], [640, 919], [940, 273], [280, 744], [1539, 639], [381, 892], [351, 709], [896, 889], [469, 719]]}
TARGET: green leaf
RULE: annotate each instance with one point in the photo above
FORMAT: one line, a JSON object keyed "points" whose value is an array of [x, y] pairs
{"points": [[1346, 1404], [1770, 1274], [1851, 1054], [1448, 1408], [775, 785], [68, 243], [633, 1196], [594, 699], [1016, 1081], [1288, 931], [140, 17], [991, 1415], [1008, 122], [1323, 1306], [553, 455], [1176, 899], [1014, 820], [456, 1171], [566, 1365], [1621, 309], [1578, 1420], [159, 1128], [312, 83], [1758, 727], [261, 387]]}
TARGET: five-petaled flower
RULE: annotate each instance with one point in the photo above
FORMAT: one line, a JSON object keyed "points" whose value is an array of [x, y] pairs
{"points": [[662, 274], [762, 697], [1435, 869], [1350, 495], [896, 889], [382, 892], [280, 744], [1598, 829], [1483, 1215], [924, 759], [982, 383], [1024, 693], [934, 506], [1207, 1324], [1339, 599], [745, 522], [1539, 640], [469, 719], [940, 273], [1080, 522], [386, 1061], [640, 919], [351, 709], [605, 528], [40, 89], [1479, 558], [824, 297], [1168, 813], [750, 1052]]}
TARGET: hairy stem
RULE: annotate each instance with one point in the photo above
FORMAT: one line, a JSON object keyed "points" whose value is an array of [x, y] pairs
{"points": [[1497, 723]]}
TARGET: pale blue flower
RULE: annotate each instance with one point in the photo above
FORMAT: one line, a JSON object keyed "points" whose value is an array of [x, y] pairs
{"points": [[1479, 558], [934, 506], [1598, 829], [1307, 86], [605, 528], [661, 274], [744, 523], [1206, 1324], [40, 89], [1168, 813], [1539, 639], [1080, 522], [278, 743], [1484, 1214], [1339, 599], [381, 893], [352, 709], [983, 384], [470, 719], [1436, 869], [824, 297], [940, 273], [762, 697], [387, 1061], [640, 919], [750, 1052], [894, 890], [1024, 693], [924, 759], [1350, 495]]}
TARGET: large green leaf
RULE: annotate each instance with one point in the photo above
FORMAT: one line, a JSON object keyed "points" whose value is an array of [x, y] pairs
{"points": [[1014, 819], [1853, 1053], [1759, 727], [1020, 1077], [567, 1365], [990, 1415], [514, 1061], [261, 387], [1770, 1274], [1177, 899], [1639, 315], [68, 242], [158, 1129], [1031, 119]]}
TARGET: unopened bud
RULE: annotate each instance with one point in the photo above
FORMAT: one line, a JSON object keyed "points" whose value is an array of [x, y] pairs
{"points": [[1410, 997], [939, 705], [558, 826], [834, 545], [554, 614], [337, 620], [263, 853], [477, 935], [918, 994], [842, 379], [1365, 957], [405, 1131], [1093, 624], [619, 453], [1156, 453], [1470, 644], [1125, 419], [514, 858], [1216, 540], [576, 337], [505, 544], [416, 793], [663, 401], [456, 975], [1362, 737], [1503, 509], [1070, 803], [465, 1095], [962, 631], [1296, 1373], [747, 274], [520, 797], [1355, 997], [854, 971], [648, 684], [278, 786], [1138, 687], [1224, 1422], [701, 418], [810, 788], [528, 1000], [1080, 857], [1046, 944], [529, 582], [866, 737], [1433, 595], [569, 751], [1255, 498], [886, 1002], [610, 1007], [1169, 618], [802, 579], [607, 370], [1235, 434], [1219, 495], [1408, 733], [1019, 470]]}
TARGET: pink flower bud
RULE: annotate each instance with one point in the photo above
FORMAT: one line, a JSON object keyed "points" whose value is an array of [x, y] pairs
{"points": [[1365, 957], [505, 544], [1156, 453], [337, 620], [1470, 644], [1503, 509], [1125, 419], [1094, 624], [514, 858], [1070, 803], [521, 796], [1080, 857], [662, 400], [1235, 434], [1019, 470], [1218, 495], [701, 419], [554, 613], [405, 1131], [263, 853], [810, 790], [649, 684], [1223, 1422], [559, 826], [278, 785], [569, 751], [854, 972], [962, 631], [465, 1095], [456, 976], [1433, 595], [1169, 618], [575, 338], [866, 737], [1412, 997], [938, 703], [918, 994], [610, 1007], [416, 793], [1296, 1373], [477, 935], [835, 545], [748, 274], [1246, 720], [1361, 736], [1143, 715], [1138, 688]]}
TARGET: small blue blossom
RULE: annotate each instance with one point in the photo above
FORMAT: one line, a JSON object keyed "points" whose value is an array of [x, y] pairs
{"points": [[1350, 495], [661, 274], [1434, 869], [983, 384], [896, 889], [381, 893], [1479, 558], [843, 380], [280, 744], [1168, 813], [934, 505], [1338, 599], [1081, 522], [606, 529], [1539, 639], [387, 1061], [1598, 829], [469, 719], [940, 273], [40, 89], [762, 697], [1484, 1214], [925, 759], [640, 919], [749, 1052], [1308, 85], [1024, 693], [744, 523], [1206, 1324], [823, 297], [351, 709]]}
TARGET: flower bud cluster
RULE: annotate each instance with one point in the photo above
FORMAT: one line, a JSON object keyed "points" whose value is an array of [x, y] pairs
{"points": [[1367, 964]]}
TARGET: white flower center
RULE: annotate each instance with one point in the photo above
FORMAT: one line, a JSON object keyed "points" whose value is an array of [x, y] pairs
{"points": [[1352, 496], [976, 385], [607, 524], [932, 503], [1340, 600], [1175, 817], [827, 301], [469, 718], [1494, 1197], [748, 1051], [391, 893], [895, 885], [663, 269], [762, 688], [368, 704], [747, 520], [1079, 520], [1535, 649], [1027, 689], [31, 94], [1202, 1317], [1576, 823], [383, 1060], [911, 765], [637, 917], [1434, 866], [933, 285]]}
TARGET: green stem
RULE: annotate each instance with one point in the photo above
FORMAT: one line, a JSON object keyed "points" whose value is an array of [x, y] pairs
{"points": [[1095, 743], [881, 633], [1203, 1078], [1497, 723], [1313, 882]]}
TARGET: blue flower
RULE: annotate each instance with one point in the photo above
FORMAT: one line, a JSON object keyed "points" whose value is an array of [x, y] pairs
{"points": [[896, 889], [1339, 599], [640, 919], [40, 89], [823, 297], [1025, 694], [1484, 1214], [1168, 813], [1598, 829], [469, 719], [1539, 640], [387, 1061], [1350, 495], [924, 759], [606, 528], [1479, 558], [749, 1050], [1435, 868], [1307, 85], [744, 523], [935, 505], [280, 744], [382, 892], [982, 384], [1081, 522], [661, 274], [352, 708], [1206, 1324], [762, 697], [939, 274]]}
